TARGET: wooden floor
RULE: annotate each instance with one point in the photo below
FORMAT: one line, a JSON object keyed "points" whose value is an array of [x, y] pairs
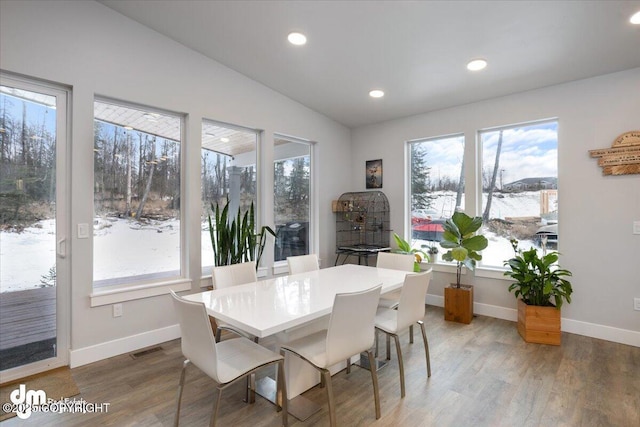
{"points": [[483, 375]]}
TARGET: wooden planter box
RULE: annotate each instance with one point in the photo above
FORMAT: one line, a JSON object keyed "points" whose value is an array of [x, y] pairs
{"points": [[458, 303], [539, 325]]}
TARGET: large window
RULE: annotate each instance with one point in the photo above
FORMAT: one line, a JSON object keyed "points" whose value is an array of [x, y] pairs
{"points": [[437, 186], [228, 172], [519, 188], [136, 194], [292, 197]]}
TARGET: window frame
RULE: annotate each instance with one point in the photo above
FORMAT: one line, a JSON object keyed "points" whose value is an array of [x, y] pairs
{"points": [[472, 195], [204, 276], [127, 288], [489, 270], [280, 267]]}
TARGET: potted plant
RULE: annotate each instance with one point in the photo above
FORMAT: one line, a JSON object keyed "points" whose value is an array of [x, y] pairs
{"points": [[462, 244], [433, 254], [541, 288], [405, 248], [235, 240]]}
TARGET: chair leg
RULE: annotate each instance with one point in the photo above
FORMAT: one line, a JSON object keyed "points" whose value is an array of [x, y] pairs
{"points": [[426, 347], [281, 394], [332, 410], [348, 365], [251, 388], [216, 406], [388, 347], [374, 380], [375, 335], [411, 334], [179, 397], [400, 364], [218, 334]]}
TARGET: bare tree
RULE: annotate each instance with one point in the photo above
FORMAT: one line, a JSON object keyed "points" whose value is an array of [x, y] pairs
{"points": [[152, 163], [492, 185]]}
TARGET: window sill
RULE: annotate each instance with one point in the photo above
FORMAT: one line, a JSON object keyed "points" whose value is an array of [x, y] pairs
{"points": [[492, 273], [115, 294], [440, 267]]}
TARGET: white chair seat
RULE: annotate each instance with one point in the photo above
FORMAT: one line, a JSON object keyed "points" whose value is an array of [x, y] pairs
{"points": [[239, 355], [387, 320], [390, 299], [312, 347]]}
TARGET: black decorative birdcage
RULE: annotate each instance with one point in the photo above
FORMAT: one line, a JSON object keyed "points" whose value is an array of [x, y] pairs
{"points": [[362, 224]]}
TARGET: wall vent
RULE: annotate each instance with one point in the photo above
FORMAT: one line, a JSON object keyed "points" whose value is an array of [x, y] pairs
{"points": [[146, 352]]}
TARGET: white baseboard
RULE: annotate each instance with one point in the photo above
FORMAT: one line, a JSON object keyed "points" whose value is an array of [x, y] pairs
{"points": [[94, 353], [608, 333], [592, 330]]}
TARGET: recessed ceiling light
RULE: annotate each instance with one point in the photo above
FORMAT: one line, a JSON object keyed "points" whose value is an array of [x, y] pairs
{"points": [[376, 93], [635, 18], [297, 39], [224, 139], [477, 65]]}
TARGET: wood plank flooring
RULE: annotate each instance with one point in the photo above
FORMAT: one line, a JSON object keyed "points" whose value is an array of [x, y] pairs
{"points": [[27, 316], [483, 374]]}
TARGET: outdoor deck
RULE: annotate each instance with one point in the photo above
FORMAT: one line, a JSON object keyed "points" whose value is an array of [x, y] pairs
{"points": [[27, 317]]}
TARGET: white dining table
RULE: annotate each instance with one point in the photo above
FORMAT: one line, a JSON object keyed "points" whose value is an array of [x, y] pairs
{"points": [[277, 304], [289, 307]]}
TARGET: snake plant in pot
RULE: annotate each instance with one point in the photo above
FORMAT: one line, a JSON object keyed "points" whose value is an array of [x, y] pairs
{"points": [[541, 288], [462, 242], [235, 240]]}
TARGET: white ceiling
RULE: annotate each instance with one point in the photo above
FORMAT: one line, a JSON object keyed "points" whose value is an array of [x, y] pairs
{"points": [[416, 51]]}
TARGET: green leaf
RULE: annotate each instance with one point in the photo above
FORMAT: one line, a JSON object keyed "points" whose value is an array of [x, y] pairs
{"points": [[459, 254], [476, 243]]}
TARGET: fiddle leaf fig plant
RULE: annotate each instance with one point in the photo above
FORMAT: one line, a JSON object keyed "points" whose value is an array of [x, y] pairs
{"points": [[538, 279], [462, 242]]}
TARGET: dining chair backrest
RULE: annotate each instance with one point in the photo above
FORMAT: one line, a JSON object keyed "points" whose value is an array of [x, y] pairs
{"points": [[393, 261], [351, 326], [412, 298], [198, 344], [302, 263], [234, 274]]}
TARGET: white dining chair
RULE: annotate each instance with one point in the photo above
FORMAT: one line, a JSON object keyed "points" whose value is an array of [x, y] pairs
{"points": [[394, 261], [225, 362], [302, 263], [411, 309], [350, 332], [233, 275]]}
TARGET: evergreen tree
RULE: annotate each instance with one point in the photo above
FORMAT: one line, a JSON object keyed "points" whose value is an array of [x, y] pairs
{"points": [[420, 178]]}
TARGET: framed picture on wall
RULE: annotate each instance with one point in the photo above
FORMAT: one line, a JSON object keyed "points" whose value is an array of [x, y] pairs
{"points": [[374, 173]]}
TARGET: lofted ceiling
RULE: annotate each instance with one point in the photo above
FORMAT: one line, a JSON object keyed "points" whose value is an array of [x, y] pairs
{"points": [[416, 51]]}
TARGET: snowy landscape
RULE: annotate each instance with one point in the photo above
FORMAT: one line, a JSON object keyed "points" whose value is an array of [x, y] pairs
{"points": [[128, 248]]}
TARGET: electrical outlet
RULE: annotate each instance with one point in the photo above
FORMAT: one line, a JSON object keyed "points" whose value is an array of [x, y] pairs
{"points": [[117, 310], [636, 304], [636, 227]]}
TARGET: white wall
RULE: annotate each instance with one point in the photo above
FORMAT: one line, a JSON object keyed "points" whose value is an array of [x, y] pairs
{"points": [[96, 51], [596, 212]]}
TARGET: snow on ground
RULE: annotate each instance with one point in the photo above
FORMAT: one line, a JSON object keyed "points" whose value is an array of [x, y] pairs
{"points": [[25, 257], [125, 248]]}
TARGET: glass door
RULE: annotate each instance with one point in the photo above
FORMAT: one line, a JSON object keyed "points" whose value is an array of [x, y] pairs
{"points": [[33, 245]]}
